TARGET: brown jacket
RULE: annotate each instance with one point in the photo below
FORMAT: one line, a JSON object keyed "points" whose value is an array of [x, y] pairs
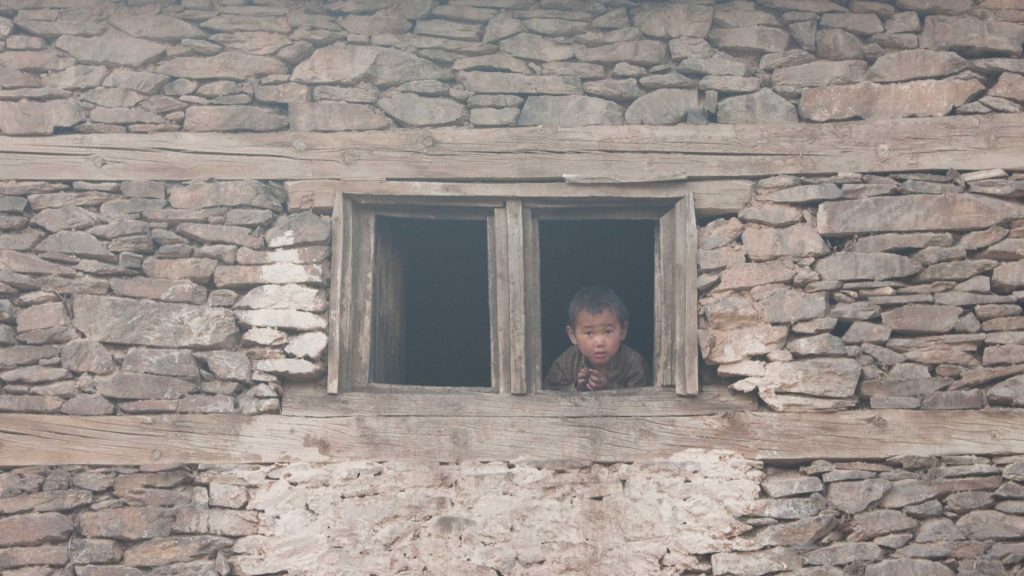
{"points": [[626, 369]]}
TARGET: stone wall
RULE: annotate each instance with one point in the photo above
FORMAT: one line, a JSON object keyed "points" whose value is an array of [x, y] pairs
{"points": [[201, 65], [875, 291], [694, 513], [831, 292], [147, 297]]}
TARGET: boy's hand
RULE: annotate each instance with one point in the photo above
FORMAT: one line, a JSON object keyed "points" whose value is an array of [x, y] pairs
{"points": [[583, 378], [597, 381]]}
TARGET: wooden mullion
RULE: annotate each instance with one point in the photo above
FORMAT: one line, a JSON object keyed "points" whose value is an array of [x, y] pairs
{"points": [[360, 347], [340, 315], [531, 270], [664, 301], [517, 298], [685, 273], [500, 302]]}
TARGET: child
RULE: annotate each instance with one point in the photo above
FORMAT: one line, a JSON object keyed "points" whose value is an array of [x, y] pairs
{"points": [[598, 360]]}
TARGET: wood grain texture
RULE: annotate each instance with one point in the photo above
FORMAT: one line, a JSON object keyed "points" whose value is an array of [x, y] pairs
{"points": [[711, 197], [541, 153], [688, 382], [27, 439]]}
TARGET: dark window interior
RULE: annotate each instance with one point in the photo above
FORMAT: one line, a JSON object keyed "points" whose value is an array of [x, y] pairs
{"points": [[614, 253], [441, 287]]}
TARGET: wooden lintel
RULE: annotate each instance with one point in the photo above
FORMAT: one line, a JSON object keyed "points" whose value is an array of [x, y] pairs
{"points": [[711, 197], [625, 153], [28, 439]]}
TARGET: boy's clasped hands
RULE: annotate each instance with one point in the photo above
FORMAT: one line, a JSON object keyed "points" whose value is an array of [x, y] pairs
{"points": [[591, 379]]}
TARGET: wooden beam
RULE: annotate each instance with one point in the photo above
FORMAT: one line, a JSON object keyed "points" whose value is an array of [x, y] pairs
{"points": [[711, 197], [310, 400], [623, 153], [29, 439]]}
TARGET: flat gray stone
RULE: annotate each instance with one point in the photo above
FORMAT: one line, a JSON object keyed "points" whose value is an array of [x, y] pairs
{"points": [[871, 101], [799, 241], [118, 321], [972, 35], [297, 229], [922, 318], [991, 525], [755, 563], [350, 64], [662, 107], [569, 111], [232, 118], [199, 194], [639, 52], [757, 39], [791, 305], [915, 213], [756, 274], [792, 80], [531, 47], [230, 65], [674, 20], [761, 107], [915, 64], [843, 553], [827, 377], [77, 243], [112, 49], [327, 116], [155, 26], [854, 497], [907, 567], [512, 83], [86, 356], [162, 362], [417, 111], [39, 118], [845, 266], [128, 386]]}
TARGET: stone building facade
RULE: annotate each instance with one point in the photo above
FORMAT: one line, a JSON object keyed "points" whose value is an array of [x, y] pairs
{"points": [[871, 291]]}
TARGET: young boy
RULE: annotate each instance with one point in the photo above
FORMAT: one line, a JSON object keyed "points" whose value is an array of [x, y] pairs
{"points": [[598, 360]]}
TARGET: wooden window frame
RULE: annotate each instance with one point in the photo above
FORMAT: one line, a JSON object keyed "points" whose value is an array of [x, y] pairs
{"points": [[514, 285]]}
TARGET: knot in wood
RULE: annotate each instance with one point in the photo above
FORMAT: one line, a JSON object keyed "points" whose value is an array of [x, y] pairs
{"points": [[427, 141], [299, 145], [349, 157], [98, 161], [884, 153]]}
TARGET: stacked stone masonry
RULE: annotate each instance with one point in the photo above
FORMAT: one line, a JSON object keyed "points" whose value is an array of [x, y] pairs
{"points": [[864, 291], [693, 513], [824, 293], [200, 65]]}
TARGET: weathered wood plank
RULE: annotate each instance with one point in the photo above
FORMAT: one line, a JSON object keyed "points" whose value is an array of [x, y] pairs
{"points": [[514, 212], [310, 400], [711, 197], [609, 152], [339, 248], [27, 439], [686, 252]]}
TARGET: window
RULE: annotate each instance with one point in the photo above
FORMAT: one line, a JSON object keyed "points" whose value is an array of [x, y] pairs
{"points": [[469, 292]]}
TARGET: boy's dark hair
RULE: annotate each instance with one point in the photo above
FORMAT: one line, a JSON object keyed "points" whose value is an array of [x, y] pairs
{"points": [[596, 299]]}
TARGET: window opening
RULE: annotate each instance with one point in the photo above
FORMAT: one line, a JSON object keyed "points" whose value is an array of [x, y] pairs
{"points": [[432, 320], [614, 253]]}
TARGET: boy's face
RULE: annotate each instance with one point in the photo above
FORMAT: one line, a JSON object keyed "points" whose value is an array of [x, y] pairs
{"points": [[598, 336]]}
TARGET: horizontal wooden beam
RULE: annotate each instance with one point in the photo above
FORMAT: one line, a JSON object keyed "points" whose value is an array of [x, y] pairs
{"points": [[598, 153], [234, 439], [711, 197], [312, 400]]}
